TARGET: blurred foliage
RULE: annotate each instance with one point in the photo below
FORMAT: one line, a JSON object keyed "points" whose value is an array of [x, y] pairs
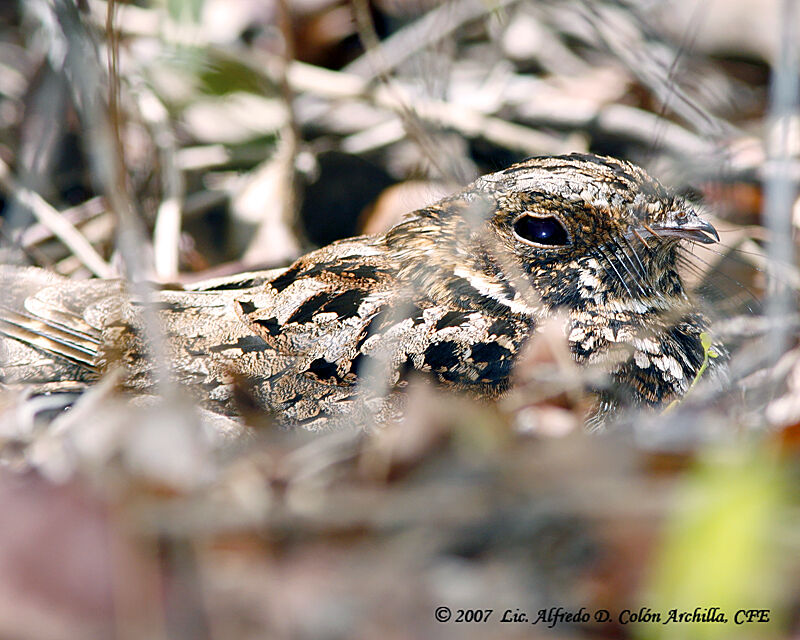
{"points": [[722, 546], [185, 10]]}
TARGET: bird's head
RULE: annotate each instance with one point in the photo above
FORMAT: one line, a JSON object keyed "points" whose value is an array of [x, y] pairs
{"points": [[573, 232], [592, 237], [589, 232]]}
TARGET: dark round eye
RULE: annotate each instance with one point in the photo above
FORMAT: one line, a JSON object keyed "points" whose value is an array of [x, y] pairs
{"points": [[547, 230]]}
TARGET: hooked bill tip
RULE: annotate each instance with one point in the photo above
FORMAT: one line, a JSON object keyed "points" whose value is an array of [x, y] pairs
{"points": [[697, 230]]}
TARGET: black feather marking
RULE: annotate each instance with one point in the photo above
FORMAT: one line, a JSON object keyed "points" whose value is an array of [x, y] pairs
{"points": [[686, 343], [451, 319], [406, 368], [272, 325], [248, 344], [289, 402], [247, 307], [358, 363], [286, 278], [442, 355], [497, 372], [501, 327], [313, 305], [489, 352], [346, 304], [319, 269], [415, 312], [248, 283], [380, 321], [467, 296], [352, 269], [365, 271], [324, 370]]}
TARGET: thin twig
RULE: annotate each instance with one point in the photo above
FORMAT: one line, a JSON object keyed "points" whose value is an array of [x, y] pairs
{"points": [[53, 220], [167, 230], [642, 240], [451, 171], [333, 84], [638, 48], [433, 27], [78, 216], [780, 189], [279, 220]]}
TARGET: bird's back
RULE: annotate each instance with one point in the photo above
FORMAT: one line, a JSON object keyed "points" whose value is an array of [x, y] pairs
{"points": [[330, 339], [287, 339]]}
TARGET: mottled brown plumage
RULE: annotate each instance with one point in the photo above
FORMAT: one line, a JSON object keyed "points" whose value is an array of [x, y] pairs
{"points": [[454, 292]]}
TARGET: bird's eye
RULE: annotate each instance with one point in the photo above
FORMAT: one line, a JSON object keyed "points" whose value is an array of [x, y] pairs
{"points": [[546, 230]]}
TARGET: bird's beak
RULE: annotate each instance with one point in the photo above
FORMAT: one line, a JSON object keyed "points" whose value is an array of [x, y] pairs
{"points": [[696, 230]]}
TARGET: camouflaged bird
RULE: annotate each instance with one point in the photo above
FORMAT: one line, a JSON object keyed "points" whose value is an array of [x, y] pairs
{"points": [[453, 292]]}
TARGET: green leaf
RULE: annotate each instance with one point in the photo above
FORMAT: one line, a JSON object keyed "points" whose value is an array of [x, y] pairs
{"points": [[708, 352], [185, 10]]}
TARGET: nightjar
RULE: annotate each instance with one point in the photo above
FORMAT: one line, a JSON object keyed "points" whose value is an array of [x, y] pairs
{"points": [[452, 292]]}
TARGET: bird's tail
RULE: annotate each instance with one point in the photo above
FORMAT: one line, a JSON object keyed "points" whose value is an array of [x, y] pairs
{"points": [[47, 336]]}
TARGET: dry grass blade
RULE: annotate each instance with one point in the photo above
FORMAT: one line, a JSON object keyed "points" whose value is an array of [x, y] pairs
{"points": [[54, 221]]}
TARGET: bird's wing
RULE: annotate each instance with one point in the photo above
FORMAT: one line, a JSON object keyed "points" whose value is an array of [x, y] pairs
{"points": [[306, 330], [330, 338], [346, 331]]}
